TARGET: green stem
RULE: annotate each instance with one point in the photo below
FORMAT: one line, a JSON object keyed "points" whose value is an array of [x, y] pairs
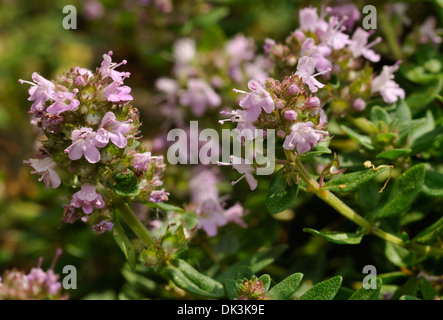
{"points": [[390, 36], [350, 214], [131, 220]]}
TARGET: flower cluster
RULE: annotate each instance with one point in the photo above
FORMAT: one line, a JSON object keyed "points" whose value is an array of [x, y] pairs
{"points": [[290, 107], [36, 285], [202, 77], [253, 289], [342, 54], [89, 138]]}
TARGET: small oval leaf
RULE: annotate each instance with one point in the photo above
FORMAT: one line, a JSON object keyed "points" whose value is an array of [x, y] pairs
{"points": [[280, 195]]}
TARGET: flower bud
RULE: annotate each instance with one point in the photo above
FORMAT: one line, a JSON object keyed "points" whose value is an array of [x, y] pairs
{"points": [[290, 115]]}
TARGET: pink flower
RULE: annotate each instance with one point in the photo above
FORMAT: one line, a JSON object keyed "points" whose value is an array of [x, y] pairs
{"points": [[235, 214], [427, 31], [257, 99], [242, 167], [87, 198], [158, 196], [115, 92], [240, 48], [41, 91], [305, 70], [184, 50], [388, 88], [45, 168], [308, 19], [245, 123], [333, 36], [268, 45], [199, 96], [359, 45], [64, 101], [84, 144], [141, 161], [107, 69], [112, 129], [348, 10], [318, 53], [303, 136], [210, 214], [103, 226]]}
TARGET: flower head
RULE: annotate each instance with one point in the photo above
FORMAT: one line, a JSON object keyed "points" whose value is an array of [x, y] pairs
{"points": [[103, 226], [84, 144], [159, 196], [386, 86], [112, 129], [41, 91], [107, 69], [359, 45], [305, 70], [303, 136], [87, 198], [45, 168], [63, 101], [256, 100], [199, 96]]}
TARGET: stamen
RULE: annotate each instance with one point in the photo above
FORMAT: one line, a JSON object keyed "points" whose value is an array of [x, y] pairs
{"points": [[233, 183], [373, 43], [325, 71], [21, 81]]}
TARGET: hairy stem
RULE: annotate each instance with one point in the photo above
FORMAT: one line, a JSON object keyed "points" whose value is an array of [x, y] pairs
{"points": [[350, 214], [131, 220]]}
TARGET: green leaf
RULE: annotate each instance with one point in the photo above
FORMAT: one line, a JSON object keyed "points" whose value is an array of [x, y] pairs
{"points": [[286, 288], [213, 38], [189, 279], [256, 262], [401, 257], [386, 138], [402, 113], [367, 294], [378, 114], [409, 289], [164, 206], [406, 188], [266, 280], [243, 272], [424, 95], [351, 181], [427, 290], [212, 17], [433, 185], [125, 184], [280, 195], [393, 154], [230, 288], [125, 244], [430, 233], [319, 148], [365, 141], [337, 237], [325, 290], [426, 141]]}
